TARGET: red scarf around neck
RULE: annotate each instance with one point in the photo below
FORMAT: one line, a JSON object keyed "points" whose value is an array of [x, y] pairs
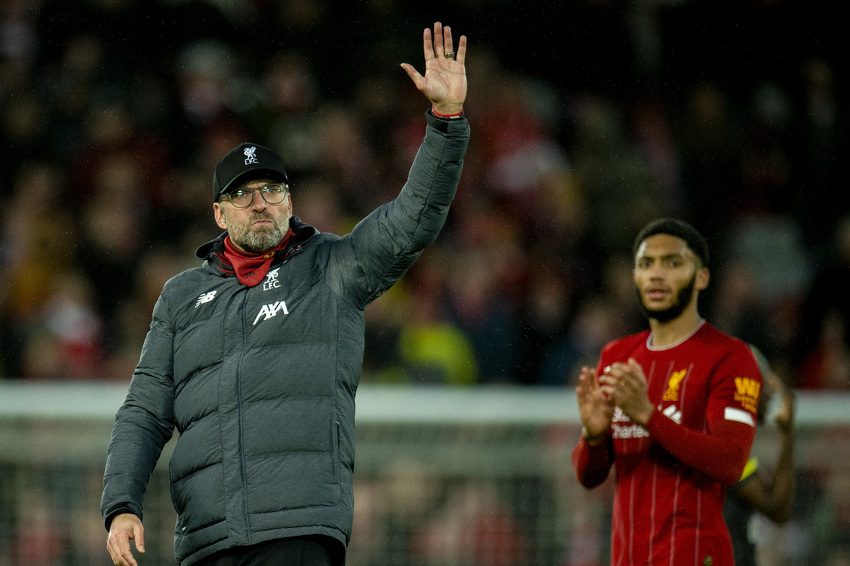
{"points": [[250, 269]]}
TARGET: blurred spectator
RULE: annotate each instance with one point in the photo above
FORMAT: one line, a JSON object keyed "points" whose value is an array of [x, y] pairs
{"points": [[435, 351], [823, 338], [762, 297], [827, 366], [831, 520], [65, 342], [710, 150], [33, 255], [472, 528], [287, 114], [478, 302], [545, 315], [40, 537], [18, 36], [596, 322], [739, 312], [614, 174], [413, 342], [823, 149], [757, 241]]}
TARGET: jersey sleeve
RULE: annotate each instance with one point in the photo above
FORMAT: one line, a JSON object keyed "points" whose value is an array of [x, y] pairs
{"points": [[735, 387], [592, 464], [722, 451]]}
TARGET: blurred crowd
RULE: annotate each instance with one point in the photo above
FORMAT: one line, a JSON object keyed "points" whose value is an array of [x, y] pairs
{"points": [[589, 119]]}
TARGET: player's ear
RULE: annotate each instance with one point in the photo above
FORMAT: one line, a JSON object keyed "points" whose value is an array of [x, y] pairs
{"points": [[702, 278]]}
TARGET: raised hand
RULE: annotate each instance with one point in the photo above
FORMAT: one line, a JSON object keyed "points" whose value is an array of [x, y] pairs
{"points": [[444, 82]]}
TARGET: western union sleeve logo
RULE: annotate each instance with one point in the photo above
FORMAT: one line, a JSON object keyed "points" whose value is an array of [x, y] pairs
{"points": [[673, 383], [747, 391]]}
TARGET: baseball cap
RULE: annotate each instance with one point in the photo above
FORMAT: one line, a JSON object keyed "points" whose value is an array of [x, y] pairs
{"points": [[245, 162]]}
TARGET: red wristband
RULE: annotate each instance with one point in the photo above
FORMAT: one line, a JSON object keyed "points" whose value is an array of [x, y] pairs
{"points": [[437, 114]]}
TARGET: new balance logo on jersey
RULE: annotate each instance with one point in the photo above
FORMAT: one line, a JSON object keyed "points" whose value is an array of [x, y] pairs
{"points": [[205, 298], [271, 310]]}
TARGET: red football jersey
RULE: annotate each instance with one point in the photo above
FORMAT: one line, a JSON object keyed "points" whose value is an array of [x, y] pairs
{"points": [[672, 475]]}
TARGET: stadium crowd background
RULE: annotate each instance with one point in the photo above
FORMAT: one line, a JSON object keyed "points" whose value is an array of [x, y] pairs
{"points": [[590, 117]]}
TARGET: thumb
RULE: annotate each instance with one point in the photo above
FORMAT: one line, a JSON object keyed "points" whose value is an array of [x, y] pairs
{"points": [[414, 75], [139, 537]]}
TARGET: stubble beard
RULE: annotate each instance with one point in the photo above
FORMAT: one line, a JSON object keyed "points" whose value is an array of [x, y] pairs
{"points": [[683, 298], [260, 239]]}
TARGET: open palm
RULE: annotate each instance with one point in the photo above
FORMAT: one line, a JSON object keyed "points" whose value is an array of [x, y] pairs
{"points": [[444, 82]]}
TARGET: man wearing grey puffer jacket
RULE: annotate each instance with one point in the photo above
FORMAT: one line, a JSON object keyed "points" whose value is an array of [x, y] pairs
{"points": [[255, 356]]}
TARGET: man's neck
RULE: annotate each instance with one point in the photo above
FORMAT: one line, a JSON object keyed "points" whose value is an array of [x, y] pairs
{"points": [[674, 331]]}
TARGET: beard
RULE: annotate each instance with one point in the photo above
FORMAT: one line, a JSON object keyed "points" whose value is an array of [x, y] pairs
{"points": [[258, 240], [683, 298]]}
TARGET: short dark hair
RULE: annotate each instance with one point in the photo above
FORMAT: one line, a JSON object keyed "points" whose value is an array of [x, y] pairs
{"points": [[675, 227]]}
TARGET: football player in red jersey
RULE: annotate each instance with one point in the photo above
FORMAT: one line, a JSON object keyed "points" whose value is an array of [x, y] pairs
{"points": [[672, 409]]}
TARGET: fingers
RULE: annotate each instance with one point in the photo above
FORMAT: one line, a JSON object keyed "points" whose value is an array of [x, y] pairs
{"points": [[611, 378], [439, 42], [587, 380], [118, 545], [447, 41], [620, 371], [622, 381], [118, 542], [139, 537], [460, 54], [427, 45], [636, 369]]}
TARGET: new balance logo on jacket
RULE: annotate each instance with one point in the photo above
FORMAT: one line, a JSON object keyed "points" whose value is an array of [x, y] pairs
{"points": [[205, 298]]}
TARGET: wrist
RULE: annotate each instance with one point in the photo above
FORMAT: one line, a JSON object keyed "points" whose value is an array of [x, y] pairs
{"points": [[593, 439], [447, 111], [644, 416]]}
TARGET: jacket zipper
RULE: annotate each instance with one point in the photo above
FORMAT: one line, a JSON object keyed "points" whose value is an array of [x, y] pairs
{"points": [[242, 466]]}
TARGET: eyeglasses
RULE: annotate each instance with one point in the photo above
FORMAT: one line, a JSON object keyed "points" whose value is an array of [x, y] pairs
{"points": [[243, 197]]}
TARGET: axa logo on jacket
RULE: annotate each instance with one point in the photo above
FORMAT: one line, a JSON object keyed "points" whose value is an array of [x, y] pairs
{"points": [[271, 310]]}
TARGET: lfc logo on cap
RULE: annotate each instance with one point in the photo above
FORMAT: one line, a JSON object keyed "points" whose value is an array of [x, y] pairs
{"points": [[250, 155]]}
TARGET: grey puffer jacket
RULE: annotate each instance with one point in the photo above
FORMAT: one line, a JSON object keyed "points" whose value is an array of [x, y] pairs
{"points": [[260, 381]]}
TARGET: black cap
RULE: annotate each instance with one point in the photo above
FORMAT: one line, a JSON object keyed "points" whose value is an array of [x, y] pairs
{"points": [[245, 162]]}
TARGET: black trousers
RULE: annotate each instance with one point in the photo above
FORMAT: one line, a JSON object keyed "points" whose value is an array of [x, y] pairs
{"points": [[300, 551]]}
